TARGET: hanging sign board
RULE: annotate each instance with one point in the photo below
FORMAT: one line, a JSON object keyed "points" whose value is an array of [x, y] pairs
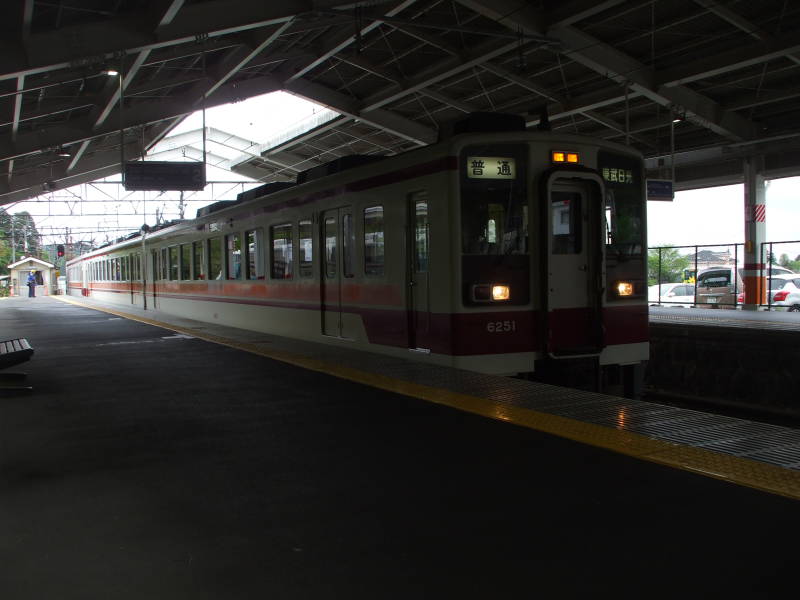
{"points": [[162, 176], [660, 189]]}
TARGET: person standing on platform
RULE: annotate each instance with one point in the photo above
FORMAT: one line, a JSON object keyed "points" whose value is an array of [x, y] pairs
{"points": [[31, 285]]}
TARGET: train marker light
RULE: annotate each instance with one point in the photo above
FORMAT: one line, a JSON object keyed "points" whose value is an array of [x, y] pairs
{"points": [[559, 156], [501, 292], [624, 288]]}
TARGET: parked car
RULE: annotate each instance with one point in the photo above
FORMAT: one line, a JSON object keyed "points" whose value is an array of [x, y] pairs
{"points": [[671, 294], [718, 287], [784, 292], [771, 270]]}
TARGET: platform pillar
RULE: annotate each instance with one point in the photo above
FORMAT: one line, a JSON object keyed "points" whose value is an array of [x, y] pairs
{"points": [[755, 233]]}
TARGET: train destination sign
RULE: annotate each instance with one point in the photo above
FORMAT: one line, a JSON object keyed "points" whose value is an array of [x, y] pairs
{"points": [[164, 176], [491, 167]]}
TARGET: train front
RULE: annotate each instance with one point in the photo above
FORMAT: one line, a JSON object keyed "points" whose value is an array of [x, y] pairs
{"points": [[553, 265]]}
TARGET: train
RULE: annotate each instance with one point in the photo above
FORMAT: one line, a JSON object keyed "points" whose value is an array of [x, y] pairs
{"points": [[499, 249]]}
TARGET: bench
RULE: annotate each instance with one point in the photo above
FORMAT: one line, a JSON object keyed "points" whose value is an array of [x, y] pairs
{"points": [[14, 352]]}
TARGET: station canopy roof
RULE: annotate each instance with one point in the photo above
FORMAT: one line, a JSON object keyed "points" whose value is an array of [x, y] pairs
{"points": [[703, 83]]}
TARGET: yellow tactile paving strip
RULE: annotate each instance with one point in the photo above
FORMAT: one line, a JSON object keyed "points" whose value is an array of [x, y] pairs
{"points": [[741, 471]]}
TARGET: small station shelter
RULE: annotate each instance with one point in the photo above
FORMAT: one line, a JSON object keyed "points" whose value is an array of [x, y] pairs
{"points": [[44, 271]]}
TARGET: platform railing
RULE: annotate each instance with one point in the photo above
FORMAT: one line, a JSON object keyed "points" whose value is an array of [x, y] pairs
{"points": [[681, 264]]}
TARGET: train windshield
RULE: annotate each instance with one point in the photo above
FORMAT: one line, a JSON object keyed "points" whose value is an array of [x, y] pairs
{"points": [[494, 208], [622, 176]]}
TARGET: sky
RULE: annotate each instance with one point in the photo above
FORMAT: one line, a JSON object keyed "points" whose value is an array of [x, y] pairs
{"points": [[716, 216], [103, 211]]}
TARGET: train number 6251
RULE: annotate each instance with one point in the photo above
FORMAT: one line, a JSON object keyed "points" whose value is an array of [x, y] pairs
{"points": [[501, 326]]}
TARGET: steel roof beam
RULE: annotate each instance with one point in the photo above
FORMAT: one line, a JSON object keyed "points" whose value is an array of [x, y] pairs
{"points": [[382, 119], [741, 23], [98, 165], [145, 112], [732, 60], [338, 41], [438, 72], [618, 66], [73, 46], [569, 13], [309, 135]]}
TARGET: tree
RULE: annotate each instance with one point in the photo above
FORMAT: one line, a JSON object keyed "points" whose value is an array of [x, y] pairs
{"points": [[672, 263], [19, 231], [5, 256]]}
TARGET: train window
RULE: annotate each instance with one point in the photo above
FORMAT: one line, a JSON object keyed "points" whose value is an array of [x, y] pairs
{"points": [[622, 178], [233, 256], [164, 265], [494, 216], [174, 267], [305, 254], [253, 264], [215, 258], [186, 261], [124, 268], [198, 264], [567, 217], [373, 240], [155, 254], [348, 244], [421, 234], [282, 261], [330, 247]]}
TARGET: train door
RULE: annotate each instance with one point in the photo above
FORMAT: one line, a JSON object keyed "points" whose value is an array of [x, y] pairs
{"points": [[155, 257], [418, 255], [338, 239], [574, 268]]}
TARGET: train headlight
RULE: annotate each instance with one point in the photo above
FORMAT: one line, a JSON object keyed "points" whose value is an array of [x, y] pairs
{"points": [[624, 288], [500, 292], [491, 292]]}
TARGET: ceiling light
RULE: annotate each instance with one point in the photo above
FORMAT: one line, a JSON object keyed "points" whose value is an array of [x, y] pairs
{"points": [[110, 72]]}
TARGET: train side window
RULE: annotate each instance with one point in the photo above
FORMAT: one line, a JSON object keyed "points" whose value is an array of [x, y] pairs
{"points": [[373, 241], [124, 268], [330, 247], [567, 215], [186, 261], [164, 265], [348, 244], [174, 272], [215, 258], [233, 245], [282, 260], [198, 264], [254, 265], [306, 252]]}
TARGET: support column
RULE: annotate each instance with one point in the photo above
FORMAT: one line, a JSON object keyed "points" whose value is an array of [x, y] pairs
{"points": [[755, 233]]}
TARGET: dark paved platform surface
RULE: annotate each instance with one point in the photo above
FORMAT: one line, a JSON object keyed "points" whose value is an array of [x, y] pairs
{"points": [[147, 464]]}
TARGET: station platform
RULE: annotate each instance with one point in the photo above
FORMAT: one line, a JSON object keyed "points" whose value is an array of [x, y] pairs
{"points": [[158, 457]]}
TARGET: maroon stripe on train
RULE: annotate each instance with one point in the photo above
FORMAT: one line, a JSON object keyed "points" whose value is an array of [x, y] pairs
{"points": [[461, 334], [626, 324]]}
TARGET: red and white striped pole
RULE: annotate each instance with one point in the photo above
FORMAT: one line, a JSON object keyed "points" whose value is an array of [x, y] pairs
{"points": [[755, 233]]}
